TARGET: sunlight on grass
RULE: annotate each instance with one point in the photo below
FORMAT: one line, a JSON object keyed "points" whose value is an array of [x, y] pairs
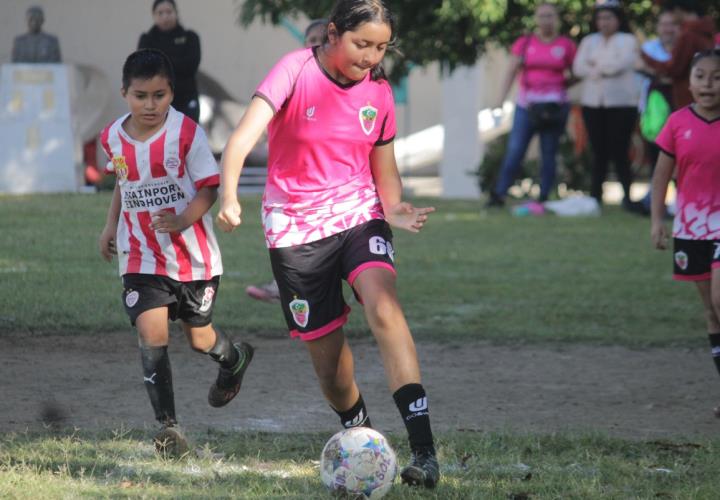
{"points": [[263, 465]]}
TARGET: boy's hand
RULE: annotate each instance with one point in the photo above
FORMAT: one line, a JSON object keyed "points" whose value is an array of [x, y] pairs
{"points": [[408, 217], [229, 216], [106, 242], [165, 221], [659, 236]]}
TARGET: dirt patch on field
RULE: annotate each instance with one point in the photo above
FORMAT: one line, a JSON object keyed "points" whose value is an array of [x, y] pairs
{"points": [[96, 382]]}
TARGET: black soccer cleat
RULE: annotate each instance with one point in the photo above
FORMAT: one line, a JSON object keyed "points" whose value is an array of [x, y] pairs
{"points": [[170, 442], [423, 469], [229, 380]]}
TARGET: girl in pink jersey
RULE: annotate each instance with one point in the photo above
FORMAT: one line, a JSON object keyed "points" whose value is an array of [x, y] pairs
{"points": [[159, 227], [333, 191], [689, 145]]}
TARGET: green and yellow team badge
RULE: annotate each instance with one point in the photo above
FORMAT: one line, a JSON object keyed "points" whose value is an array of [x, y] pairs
{"points": [[120, 167], [368, 118], [300, 310]]}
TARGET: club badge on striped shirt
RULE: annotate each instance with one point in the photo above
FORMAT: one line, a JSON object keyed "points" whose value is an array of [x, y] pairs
{"points": [[368, 118], [121, 168]]}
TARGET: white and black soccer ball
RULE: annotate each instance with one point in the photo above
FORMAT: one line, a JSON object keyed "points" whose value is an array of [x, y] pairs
{"points": [[358, 461]]}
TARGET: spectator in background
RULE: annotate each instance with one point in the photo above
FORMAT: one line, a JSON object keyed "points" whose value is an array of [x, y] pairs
{"points": [[543, 60], [656, 96], [606, 62], [268, 292], [696, 35], [36, 46], [182, 47]]}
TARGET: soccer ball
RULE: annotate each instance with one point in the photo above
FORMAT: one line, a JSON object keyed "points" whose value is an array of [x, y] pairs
{"points": [[358, 461]]}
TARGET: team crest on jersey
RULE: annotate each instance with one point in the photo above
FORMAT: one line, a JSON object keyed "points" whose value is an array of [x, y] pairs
{"points": [[172, 163], [300, 310], [207, 299], [681, 259], [121, 168], [558, 52], [368, 117]]}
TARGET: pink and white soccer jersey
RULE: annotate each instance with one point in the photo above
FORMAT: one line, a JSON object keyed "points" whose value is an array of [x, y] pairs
{"points": [[163, 173], [319, 178], [695, 144], [544, 68]]}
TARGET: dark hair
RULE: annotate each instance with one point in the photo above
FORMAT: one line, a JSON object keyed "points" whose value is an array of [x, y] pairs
{"points": [[685, 5], [146, 64], [699, 56], [617, 10], [348, 15], [158, 2], [314, 24]]}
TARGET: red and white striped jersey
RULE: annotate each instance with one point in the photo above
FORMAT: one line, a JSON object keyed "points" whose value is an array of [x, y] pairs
{"points": [[163, 173]]}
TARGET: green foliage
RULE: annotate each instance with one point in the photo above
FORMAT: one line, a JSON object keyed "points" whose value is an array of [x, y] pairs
{"points": [[456, 32], [572, 170]]}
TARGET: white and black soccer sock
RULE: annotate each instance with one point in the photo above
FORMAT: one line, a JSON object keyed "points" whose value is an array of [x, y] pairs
{"points": [[715, 346], [157, 376], [357, 416], [224, 351], [412, 402]]}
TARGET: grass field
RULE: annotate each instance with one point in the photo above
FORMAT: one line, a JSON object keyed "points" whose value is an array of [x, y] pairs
{"points": [[489, 466], [469, 276]]}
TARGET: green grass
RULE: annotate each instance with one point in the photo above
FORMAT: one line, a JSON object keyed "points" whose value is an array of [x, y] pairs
{"points": [[470, 275], [232, 465]]}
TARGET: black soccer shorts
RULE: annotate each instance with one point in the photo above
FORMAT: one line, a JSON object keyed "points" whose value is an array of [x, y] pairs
{"points": [[191, 302], [310, 276], [694, 260]]}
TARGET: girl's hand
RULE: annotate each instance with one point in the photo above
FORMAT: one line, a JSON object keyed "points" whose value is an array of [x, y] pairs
{"points": [[659, 236], [165, 221], [406, 216], [106, 243], [228, 217]]}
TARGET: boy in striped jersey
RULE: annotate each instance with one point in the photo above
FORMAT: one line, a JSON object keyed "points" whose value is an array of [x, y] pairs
{"points": [[159, 226]]}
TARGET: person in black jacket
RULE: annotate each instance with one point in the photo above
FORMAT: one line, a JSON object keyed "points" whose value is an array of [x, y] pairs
{"points": [[182, 47]]}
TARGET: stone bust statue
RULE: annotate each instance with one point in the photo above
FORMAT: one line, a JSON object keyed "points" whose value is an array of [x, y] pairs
{"points": [[36, 46]]}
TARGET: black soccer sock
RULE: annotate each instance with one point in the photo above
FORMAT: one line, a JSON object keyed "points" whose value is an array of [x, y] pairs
{"points": [[357, 416], [224, 351], [413, 405], [158, 382], [715, 345]]}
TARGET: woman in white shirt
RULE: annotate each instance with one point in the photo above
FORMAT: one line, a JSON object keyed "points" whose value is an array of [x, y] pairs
{"points": [[606, 62]]}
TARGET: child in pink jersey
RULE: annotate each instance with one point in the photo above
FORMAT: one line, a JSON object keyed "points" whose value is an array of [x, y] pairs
{"points": [[333, 191], [689, 144], [159, 227]]}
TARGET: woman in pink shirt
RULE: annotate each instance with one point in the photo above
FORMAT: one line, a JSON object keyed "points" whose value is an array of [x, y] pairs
{"points": [[543, 60], [689, 145], [333, 190]]}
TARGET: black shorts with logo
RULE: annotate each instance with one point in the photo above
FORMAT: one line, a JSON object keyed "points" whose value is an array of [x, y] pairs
{"points": [[694, 260], [191, 302], [310, 276]]}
